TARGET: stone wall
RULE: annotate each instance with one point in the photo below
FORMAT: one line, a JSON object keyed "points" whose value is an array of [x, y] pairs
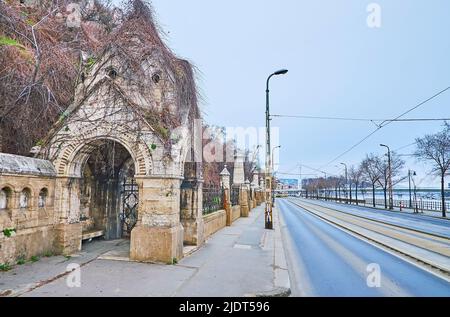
{"points": [[214, 222], [27, 218], [39, 213]]}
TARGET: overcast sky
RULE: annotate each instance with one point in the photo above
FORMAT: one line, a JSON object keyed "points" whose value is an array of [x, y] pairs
{"points": [[338, 66]]}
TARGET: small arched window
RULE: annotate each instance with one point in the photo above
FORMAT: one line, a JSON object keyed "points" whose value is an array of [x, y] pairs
{"points": [[5, 198], [42, 199], [156, 78], [25, 198], [112, 72]]}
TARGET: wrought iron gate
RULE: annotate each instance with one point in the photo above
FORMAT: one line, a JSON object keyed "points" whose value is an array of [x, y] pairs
{"points": [[130, 201]]}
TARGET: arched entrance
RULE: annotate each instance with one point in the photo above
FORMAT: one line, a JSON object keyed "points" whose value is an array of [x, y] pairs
{"points": [[108, 192]]}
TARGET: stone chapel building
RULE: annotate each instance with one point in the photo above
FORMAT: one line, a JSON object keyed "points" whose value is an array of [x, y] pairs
{"points": [[116, 160]]}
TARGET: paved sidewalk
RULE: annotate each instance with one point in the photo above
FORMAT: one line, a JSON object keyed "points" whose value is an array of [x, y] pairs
{"points": [[240, 260]]}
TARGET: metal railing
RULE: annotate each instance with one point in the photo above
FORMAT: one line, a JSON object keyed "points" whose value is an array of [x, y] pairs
{"points": [[234, 196], [340, 200], [420, 204], [212, 199]]}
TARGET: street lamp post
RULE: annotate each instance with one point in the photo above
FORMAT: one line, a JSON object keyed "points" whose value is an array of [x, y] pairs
{"points": [[346, 181], [416, 208], [409, 178], [273, 151], [268, 210], [300, 187], [391, 202]]}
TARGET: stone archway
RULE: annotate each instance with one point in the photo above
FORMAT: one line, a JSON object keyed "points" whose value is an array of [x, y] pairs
{"points": [[92, 192], [158, 234], [93, 178], [69, 157], [105, 186]]}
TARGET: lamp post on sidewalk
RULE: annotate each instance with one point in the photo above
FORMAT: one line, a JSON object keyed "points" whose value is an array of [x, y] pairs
{"points": [[268, 189], [416, 207], [300, 187], [410, 173], [391, 200], [273, 151], [346, 181]]}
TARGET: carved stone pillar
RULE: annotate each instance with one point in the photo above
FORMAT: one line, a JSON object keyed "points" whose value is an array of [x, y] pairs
{"points": [[244, 202], [191, 205], [68, 231], [225, 178], [191, 211], [158, 234], [238, 172], [225, 182]]}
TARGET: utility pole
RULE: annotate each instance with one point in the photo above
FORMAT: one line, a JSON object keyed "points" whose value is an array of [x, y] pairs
{"points": [[346, 182], [268, 210], [273, 169], [416, 208], [409, 181], [410, 174], [391, 199], [300, 186]]}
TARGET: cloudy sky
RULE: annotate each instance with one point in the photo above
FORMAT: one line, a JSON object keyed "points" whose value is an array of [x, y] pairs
{"points": [[338, 67]]}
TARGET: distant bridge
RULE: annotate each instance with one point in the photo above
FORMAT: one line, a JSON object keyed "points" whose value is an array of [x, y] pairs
{"points": [[289, 192]]}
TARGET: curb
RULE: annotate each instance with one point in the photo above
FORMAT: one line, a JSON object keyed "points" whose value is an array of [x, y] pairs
{"points": [[277, 292], [281, 280]]}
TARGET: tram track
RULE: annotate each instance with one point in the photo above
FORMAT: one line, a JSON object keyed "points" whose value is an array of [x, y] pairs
{"points": [[430, 249]]}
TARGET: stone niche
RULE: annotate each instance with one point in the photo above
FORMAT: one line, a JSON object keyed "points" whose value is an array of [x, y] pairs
{"points": [[27, 219]]}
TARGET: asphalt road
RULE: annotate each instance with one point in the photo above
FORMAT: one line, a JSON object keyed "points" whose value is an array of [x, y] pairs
{"points": [[324, 260]]}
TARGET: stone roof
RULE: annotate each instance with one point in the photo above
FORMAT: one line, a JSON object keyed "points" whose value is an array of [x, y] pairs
{"points": [[225, 172], [16, 164]]}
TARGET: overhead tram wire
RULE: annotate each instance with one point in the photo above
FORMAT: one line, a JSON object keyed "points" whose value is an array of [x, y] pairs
{"points": [[308, 167], [359, 119], [296, 174], [404, 147], [383, 124], [317, 170]]}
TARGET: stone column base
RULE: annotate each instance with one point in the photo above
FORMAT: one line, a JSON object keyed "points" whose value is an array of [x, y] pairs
{"points": [[68, 238], [156, 244], [245, 203], [193, 231]]}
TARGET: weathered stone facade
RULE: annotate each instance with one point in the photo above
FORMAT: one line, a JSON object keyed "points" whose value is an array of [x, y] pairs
{"points": [[118, 163], [129, 127], [27, 198]]}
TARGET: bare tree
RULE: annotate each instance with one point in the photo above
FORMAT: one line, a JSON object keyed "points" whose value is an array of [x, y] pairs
{"points": [[41, 64], [334, 183], [355, 177], [436, 148], [397, 165], [370, 172]]}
